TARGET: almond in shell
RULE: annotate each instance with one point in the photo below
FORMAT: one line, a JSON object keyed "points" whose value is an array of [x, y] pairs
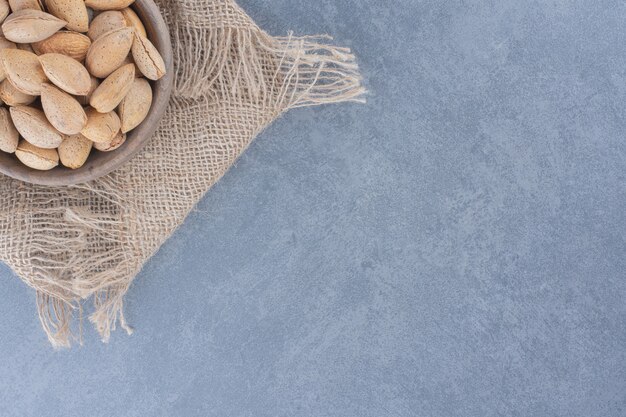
{"points": [[106, 22], [108, 4], [84, 100], [4, 9], [5, 44], [11, 96], [23, 70], [35, 157], [26, 26], [129, 60], [9, 136], [108, 52], [132, 20], [66, 73], [74, 12], [25, 47], [113, 89], [34, 127], [17, 5], [115, 143], [147, 58], [62, 110], [74, 151], [73, 44], [136, 104], [101, 127]]}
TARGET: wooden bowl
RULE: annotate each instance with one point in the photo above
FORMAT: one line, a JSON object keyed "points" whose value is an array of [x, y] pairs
{"points": [[102, 163]]}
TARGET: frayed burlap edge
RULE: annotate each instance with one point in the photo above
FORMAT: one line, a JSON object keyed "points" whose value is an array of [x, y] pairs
{"points": [[236, 63]]}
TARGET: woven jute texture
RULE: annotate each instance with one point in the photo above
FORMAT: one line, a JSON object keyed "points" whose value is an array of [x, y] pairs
{"points": [[80, 247]]}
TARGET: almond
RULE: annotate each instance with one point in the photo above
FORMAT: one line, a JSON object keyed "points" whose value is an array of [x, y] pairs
{"points": [[9, 135], [132, 20], [136, 104], [147, 58], [108, 4], [35, 157], [74, 12], [101, 127], [73, 44], [14, 97], [74, 151], [34, 127], [26, 26], [62, 110], [66, 73], [129, 60], [25, 47], [113, 89], [106, 22], [4, 9], [108, 52], [84, 99], [112, 145], [17, 5], [23, 70], [5, 44]]}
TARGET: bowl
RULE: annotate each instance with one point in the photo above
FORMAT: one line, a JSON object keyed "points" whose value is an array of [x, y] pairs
{"points": [[102, 163]]}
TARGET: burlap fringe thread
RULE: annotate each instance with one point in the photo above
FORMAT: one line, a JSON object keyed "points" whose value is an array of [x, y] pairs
{"points": [[226, 63]]}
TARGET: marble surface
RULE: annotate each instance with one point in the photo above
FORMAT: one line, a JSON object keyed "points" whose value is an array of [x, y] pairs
{"points": [[456, 247]]}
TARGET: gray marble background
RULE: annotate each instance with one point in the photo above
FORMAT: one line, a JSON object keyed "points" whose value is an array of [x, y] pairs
{"points": [[456, 247]]}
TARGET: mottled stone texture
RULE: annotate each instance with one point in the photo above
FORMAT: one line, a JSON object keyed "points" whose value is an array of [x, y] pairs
{"points": [[454, 248]]}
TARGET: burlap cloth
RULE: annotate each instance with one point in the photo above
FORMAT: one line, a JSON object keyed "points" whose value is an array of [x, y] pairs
{"points": [[88, 242]]}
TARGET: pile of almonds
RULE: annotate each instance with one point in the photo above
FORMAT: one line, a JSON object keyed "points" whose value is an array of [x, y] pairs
{"points": [[61, 56]]}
